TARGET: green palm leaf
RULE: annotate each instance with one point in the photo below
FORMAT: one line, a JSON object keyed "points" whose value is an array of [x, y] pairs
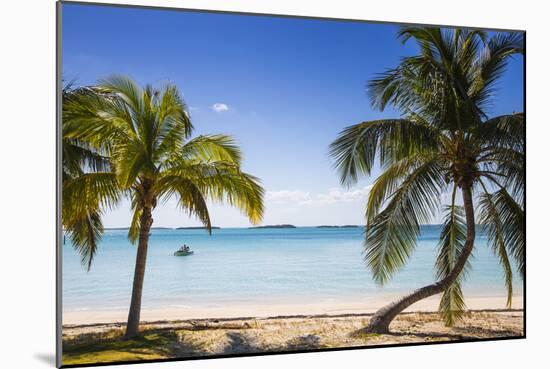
{"points": [[219, 181], [512, 217], [387, 183], [442, 94], [492, 221], [208, 148], [136, 140], [491, 64], [85, 230], [451, 244], [84, 197], [355, 149], [190, 198], [133, 232], [391, 235]]}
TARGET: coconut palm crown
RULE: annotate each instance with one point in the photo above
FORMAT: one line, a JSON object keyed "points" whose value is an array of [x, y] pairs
{"points": [[138, 145], [83, 168], [444, 143]]}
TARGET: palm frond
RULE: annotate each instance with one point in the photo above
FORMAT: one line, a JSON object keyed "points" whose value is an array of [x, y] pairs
{"points": [[211, 148], [83, 201], [387, 183], [491, 63], [95, 117], [79, 157], [504, 131], [121, 139], [443, 93], [85, 231], [133, 231], [218, 181], [174, 121], [451, 244], [509, 166], [190, 198], [452, 305], [512, 217], [121, 88], [91, 190], [130, 159], [492, 222], [355, 149], [391, 236]]}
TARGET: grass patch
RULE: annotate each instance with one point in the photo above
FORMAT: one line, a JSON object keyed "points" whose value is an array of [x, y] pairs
{"points": [[149, 346], [105, 343], [361, 334]]}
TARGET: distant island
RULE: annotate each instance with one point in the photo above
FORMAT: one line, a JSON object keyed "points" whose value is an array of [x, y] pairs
{"points": [[127, 228], [275, 226], [272, 226], [200, 227], [336, 226]]}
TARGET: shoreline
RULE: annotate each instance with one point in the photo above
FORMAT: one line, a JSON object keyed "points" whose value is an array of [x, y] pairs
{"points": [[105, 343], [272, 310]]}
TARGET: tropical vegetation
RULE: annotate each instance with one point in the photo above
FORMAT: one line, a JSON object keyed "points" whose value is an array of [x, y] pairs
{"points": [[124, 141], [444, 143]]}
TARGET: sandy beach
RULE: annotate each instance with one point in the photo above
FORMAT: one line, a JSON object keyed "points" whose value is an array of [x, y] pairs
{"points": [[353, 306], [205, 337]]}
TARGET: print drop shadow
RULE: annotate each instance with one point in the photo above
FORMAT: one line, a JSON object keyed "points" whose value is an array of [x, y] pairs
{"points": [[46, 358]]}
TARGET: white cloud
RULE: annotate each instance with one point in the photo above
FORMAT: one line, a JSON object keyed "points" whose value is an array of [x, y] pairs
{"points": [[279, 197], [220, 107], [303, 198], [336, 195]]}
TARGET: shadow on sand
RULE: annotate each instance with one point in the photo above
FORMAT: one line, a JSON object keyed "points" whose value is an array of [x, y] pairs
{"points": [[239, 343], [458, 333], [152, 344]]}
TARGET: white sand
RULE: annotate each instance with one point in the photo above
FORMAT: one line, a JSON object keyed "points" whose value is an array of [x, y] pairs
{"points": [[355, 306]]}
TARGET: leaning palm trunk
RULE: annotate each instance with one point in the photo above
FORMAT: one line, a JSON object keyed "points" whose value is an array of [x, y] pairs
{"points": [[132, 327], [444, 140], [381, 320]]}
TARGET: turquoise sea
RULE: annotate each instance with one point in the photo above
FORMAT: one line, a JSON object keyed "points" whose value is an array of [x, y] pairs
{"points": [[240, 265]]}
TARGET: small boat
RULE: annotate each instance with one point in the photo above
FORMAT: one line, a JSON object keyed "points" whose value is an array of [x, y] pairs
{"points": [[183, 253]]}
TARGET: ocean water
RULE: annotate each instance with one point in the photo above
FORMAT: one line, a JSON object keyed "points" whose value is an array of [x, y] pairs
{"points": [[237, 265]]}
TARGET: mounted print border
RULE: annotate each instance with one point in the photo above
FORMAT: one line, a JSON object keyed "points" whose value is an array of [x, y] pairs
{"points": [[238, 184]]}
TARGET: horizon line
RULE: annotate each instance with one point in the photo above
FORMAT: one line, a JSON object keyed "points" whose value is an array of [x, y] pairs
{"points": [[262, 226]]}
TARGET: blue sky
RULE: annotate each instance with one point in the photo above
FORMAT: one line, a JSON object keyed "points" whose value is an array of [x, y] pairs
{"points": [[283, 87]]}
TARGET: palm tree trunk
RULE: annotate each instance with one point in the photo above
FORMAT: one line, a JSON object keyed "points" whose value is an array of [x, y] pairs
{"points": [[380, 321], [146, 220]]}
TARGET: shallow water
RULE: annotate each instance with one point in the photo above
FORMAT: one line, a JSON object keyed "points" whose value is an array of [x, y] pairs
{"points": [[239, 265]]}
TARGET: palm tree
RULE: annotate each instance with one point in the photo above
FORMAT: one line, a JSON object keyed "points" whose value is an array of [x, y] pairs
{"points": [[444, 143], [83, 171], [146, 136]]}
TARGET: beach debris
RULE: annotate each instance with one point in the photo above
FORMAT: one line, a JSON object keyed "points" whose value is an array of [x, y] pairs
{"points": [[304, 341], [216, 324]]}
